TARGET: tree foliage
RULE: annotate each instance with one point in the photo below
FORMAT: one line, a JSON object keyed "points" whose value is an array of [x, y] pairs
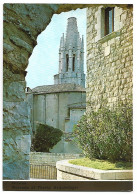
{"points": [[45, 137], [108, 135]]}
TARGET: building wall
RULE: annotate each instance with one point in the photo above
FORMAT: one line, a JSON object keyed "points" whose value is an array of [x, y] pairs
{"points": [[39, 108], [109, 58], [53, 110], [75, 115], [38, 158]]}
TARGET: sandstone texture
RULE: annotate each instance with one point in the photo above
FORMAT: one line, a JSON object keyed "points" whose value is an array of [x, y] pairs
{"points": [[109, 59]]}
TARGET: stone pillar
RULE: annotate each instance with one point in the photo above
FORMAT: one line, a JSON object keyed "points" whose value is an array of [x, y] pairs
{"points": [[82, 54], [60, 64], [78, 61], [62, 55], [63, 68], [70, 58]]}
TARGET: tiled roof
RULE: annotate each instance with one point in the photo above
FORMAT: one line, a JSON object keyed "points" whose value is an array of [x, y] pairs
{"points": [[66, 87]]}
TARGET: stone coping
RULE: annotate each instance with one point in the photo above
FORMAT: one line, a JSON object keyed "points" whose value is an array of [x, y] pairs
{"points": [[55, 154], [92, 173], [109, 36]]}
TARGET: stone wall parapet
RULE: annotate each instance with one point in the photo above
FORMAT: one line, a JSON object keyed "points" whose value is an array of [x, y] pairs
{"points": [[67, 171]]}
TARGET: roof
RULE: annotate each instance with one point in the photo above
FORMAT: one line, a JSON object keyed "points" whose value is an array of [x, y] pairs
{"points": [[80, 105], [66, 87]]}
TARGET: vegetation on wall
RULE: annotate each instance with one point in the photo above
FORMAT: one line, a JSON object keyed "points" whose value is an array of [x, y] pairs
{"points": [[102, 164], [108, 135], [45, 137]]}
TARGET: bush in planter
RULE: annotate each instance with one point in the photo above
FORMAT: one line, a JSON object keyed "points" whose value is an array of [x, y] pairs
{"points": [[109, 134], [45, 137]]}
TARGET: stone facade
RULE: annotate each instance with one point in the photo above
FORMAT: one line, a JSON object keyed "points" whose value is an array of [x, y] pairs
{"points": [[71, 56], [109, 58], [22, 24], [60, 106]]}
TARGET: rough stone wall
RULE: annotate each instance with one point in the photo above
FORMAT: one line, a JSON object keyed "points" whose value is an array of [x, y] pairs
{"points": [[50, 158], [109, 59], [22, 24]]}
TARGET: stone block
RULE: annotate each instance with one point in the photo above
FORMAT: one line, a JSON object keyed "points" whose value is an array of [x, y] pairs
{"points": [[21, 43], [107, 51], [123, 17], [118, 11], [7, 48], [17, 170], [126, 75], [67, 171], [125, 91], [124, 175], [16, 116], [107, 175], [111, 41], [97, 38], [23, 143], [14, 91]]}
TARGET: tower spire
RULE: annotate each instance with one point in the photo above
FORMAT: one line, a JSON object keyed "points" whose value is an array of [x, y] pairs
{"points": [[62, 42], [71, 56]]}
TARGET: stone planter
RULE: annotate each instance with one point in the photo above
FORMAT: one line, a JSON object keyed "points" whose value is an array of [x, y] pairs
{"points": [[67, 171]]}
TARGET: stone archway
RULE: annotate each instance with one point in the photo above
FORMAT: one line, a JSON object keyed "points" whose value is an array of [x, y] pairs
{"points": [[22, 24]]}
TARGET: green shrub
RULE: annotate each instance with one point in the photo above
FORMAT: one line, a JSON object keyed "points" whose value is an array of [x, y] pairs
{"points": [[45, 137], [109, 134]]}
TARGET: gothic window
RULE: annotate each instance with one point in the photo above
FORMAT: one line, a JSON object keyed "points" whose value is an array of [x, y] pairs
{"points": [[73, 65], [67, 62], [109, 20]]}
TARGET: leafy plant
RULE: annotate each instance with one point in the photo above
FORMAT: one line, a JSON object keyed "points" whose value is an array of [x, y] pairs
{"points": [[45, 137], [107, 134]]}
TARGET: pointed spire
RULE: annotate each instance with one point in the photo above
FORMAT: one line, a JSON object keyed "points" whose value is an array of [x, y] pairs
{"points": [[62, 42], [82, 44]]}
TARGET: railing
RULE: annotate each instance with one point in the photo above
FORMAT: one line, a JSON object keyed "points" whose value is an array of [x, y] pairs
{"points": [[43, 171]]}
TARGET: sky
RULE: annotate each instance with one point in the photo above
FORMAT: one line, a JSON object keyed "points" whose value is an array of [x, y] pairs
{"points": [[44, 61]]}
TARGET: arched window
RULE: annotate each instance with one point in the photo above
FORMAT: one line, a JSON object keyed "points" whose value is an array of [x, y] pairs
{"points": [[67, 62], [73, 65]]}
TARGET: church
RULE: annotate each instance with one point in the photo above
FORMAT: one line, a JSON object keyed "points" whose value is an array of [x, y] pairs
{"points": [[61, 105]]}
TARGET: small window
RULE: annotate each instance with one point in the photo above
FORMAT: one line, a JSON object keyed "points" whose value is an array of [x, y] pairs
{"points": [[73, 67], [109, 20], [67, 62]]}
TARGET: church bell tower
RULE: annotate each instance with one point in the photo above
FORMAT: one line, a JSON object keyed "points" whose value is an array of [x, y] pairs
{"points": [[71, 56]]}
